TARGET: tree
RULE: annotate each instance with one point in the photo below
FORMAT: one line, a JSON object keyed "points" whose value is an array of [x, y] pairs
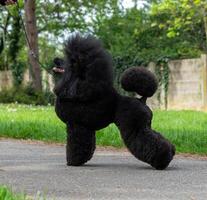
{"points": [[32, 33], [118, 33], [63, 17], [187, 18]]}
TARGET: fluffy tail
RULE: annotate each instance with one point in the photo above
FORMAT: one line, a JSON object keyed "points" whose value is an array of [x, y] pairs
{"points": [[139, 80]]}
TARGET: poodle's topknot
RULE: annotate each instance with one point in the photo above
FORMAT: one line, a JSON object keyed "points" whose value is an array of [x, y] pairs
{"points": [[85, 55], [139, 80], [78, 46]]}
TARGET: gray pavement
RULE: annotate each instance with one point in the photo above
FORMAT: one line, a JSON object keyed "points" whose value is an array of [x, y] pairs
{"points": [[109, 175]]}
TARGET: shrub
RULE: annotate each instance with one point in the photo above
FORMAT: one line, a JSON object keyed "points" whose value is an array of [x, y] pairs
{"points": [[26, 95]]}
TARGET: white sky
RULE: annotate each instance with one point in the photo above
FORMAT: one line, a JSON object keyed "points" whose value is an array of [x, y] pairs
{"points": [[129, 3]]}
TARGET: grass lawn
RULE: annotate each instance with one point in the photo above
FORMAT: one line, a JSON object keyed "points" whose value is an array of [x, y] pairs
{"points": [[186, 129], [7, 194]]}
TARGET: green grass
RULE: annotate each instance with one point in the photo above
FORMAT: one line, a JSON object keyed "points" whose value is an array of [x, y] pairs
{"points": [[7, 194], [186, 129]]}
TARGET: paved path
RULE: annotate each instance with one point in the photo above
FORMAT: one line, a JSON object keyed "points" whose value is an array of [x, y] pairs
{"points": [[109, 175]]}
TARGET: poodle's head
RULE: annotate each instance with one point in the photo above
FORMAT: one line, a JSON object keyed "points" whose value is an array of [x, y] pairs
{"points": [[80, 54], [58, 68], [62, 76], [85, 60]]}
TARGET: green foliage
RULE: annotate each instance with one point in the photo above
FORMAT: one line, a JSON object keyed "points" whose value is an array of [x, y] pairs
{"points": [[16, 65], [7, 194], [14, 38], [112, 31], [48, 52], [118, 34], [162, 73], [18, 69], [4, 24], [26, 95], [145, 34], [182, 19], [54, 17]]}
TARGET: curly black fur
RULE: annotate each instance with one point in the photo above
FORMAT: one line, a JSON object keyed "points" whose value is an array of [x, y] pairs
{"points": [[138, 79], [80, 144], [87, 101]]}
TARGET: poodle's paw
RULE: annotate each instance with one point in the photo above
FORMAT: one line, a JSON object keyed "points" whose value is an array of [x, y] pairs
{"points": [[76, 162], [163, 157]]}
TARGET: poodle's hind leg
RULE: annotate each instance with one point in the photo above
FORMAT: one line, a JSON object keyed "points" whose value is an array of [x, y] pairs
{"points": [[133, 118], [150, 147], [80, 145]]}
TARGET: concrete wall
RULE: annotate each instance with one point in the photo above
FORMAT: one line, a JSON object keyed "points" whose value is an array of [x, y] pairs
{"points": [[6, 79], [187, 85]]}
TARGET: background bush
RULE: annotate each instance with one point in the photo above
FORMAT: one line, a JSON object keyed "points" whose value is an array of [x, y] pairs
{"points": [[26, 95]]}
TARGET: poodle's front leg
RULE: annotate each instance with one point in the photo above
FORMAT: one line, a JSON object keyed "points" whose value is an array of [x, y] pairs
{"points": [[80, 144]]}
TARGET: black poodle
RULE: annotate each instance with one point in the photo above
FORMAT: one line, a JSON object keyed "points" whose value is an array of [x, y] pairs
{"points": [[87, 101]]}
